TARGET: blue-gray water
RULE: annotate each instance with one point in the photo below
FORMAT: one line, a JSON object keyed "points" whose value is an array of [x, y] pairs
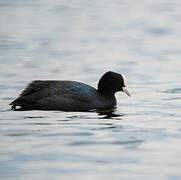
{"points": [[80, 40]]}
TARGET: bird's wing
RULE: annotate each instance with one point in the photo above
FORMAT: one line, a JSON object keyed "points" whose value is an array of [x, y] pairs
{"points": [[33, 89], [36, 86]]}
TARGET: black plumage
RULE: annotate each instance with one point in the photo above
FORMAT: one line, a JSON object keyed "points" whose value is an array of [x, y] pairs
{"points": [[70, 95]]}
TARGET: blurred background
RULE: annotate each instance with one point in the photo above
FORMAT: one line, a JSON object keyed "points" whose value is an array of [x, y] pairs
{"points": [[80, 40]]}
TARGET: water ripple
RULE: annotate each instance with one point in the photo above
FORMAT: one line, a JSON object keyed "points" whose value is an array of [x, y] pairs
{"points": [[89, 143], [172, 91]]}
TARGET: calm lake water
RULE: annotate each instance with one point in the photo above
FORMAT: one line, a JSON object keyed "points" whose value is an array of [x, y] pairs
{"points": [[80, 40]]}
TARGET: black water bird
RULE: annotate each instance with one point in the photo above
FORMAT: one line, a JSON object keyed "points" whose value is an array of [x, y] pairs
{"points": [[71, 95]]}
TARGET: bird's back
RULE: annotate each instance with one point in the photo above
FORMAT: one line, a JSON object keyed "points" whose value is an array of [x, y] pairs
{"points": [[57, 95]]}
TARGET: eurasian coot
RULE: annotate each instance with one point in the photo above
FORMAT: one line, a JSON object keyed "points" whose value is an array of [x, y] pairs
{"points": [[71, 95]]}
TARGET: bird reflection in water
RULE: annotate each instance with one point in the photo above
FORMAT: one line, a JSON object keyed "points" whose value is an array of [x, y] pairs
{"points": [[110, 113]]}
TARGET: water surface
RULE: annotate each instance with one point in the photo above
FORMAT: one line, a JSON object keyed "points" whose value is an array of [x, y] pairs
{"points": [[80, 40]]}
